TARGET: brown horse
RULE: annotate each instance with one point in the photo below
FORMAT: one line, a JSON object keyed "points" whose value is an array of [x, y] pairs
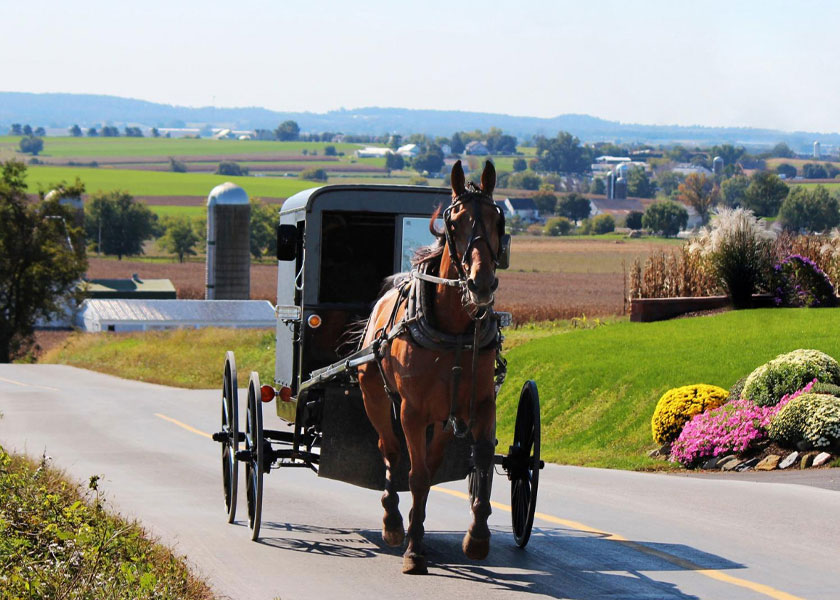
{"points": [[420, 379]]}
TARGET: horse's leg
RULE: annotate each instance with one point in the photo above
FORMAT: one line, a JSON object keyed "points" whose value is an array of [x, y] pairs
{"points": [[476, 544], [378, 408], [419, 481]]}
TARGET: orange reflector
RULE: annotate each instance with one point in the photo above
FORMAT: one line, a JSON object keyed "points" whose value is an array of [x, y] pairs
{"points": [[286, 393], [314, 321], [267, 393]]}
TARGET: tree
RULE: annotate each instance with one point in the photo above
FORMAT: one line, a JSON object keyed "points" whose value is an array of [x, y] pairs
{"points": [[75, 131], [634, 220], [16, 129], [598, 186], [457, 143], [602, 223], [110, 131], [91, 132], [519, 164], [40, 132], [314, 174], [133, 132], [330, 151], [814, 171], [39, 269], [31, 145], [231, 169], [574, 207], [701, 193], [782, 150], [27, 129], [500, 143], [177, 166], [263, 229], [430, 161], [811, 210], [557, 226], [116, 224], [155, 132], [287, 131], [734, 190], [788, 170], [563, 154], [639, 185], [729, 153], [545, 200], [180, 237], [669, 183], [665, 217], [765, 194], [394, 162]]}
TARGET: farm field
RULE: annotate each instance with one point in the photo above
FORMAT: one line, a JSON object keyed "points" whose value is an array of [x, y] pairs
{"points": [[549, 278], [598, 384]]}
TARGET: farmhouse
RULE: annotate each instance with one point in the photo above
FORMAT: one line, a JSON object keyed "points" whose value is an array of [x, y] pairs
{"points": [[477, 148], [408, 150], [686, 169], [525, 208], [145, 315]]}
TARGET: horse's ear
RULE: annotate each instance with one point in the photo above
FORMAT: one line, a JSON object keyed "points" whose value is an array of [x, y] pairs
{"points": [[459, 184], [488, 178]]}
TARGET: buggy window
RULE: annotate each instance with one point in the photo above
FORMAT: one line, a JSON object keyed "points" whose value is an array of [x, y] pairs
{"points": [[357, 253]]}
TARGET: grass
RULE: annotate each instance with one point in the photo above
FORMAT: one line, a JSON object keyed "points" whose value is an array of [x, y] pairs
{"points": [[155, 183], [59, 542], [168, 210], [69, 147], [188, 358], [599, 381]]}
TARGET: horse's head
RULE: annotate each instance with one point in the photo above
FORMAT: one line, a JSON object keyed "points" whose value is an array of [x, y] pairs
{"points": [[475, 232]]}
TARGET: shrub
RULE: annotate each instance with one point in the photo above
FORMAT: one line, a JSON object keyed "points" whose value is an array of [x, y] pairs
{"points": [[230, 168], [798, 281], [603, 224], [734, 427], [739, 250], [787, 373], [314, 174], [557, 226], [634, 220], [811, 418], [736, 389], [665, 217], [676, 407]]}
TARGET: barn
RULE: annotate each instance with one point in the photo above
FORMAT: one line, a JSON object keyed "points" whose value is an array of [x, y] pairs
{"points": [[145, 315]]}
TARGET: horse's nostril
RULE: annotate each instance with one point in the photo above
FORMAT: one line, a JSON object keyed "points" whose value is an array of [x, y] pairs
{"points": [[495, 285], [471, 286]]}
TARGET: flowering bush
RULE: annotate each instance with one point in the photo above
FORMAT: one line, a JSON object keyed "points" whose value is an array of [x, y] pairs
{"points": [[733, 427], [798, 281], [676, 407], [787, 373], [812, 418]]}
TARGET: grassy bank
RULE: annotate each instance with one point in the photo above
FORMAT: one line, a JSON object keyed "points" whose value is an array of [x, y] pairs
{"points": [[58, 542], [598, 383], [189, 358]]}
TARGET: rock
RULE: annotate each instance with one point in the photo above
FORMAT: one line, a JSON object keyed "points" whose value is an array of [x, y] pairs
{"points": [[789, 460], [711, 463], [724, 459], [730, 464], [820, 459], [663, 451], [804, 445], [806, 461], [747, 465], [769, 463]]}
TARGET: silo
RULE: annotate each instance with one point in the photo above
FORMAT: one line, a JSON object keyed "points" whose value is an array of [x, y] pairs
{"points": [[717, 165], [228, 244], [620, 189], [611, 185], [817, 153]]}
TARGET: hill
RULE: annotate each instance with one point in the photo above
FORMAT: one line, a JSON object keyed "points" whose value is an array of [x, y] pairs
{"points": [[63, 110]]}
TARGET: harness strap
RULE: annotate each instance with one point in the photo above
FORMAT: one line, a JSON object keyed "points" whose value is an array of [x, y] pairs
{"points": [[416, 274]]}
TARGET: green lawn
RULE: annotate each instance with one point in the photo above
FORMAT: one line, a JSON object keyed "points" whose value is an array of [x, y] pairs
{"points": [[69, 147], [598, 386], [167, 210], [155, 183]]}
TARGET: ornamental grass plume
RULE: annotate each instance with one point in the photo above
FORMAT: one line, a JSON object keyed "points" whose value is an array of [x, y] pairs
{"points": [[739, 248], [734, 427]]}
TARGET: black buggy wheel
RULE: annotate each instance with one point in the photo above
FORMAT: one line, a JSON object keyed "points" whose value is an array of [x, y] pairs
{"points": [[255, 447], [230, 438], [524, 463]]}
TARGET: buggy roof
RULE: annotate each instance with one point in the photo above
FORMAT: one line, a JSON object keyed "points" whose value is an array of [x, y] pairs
{"points": [[415, 196]]}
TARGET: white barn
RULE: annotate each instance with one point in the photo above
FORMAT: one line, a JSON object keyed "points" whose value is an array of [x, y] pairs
{"points": [[144, 315]]}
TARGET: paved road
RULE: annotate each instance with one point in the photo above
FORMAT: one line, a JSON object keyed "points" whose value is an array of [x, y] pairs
{"points": [[599, 534]]}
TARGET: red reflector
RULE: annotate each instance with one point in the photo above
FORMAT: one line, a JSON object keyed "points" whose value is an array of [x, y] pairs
{"points": [[286, 393], [267, 393]]}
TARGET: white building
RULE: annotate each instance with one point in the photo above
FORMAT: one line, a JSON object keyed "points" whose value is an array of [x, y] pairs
{"points": [[145, 315], [373, 152], [408, 150]]}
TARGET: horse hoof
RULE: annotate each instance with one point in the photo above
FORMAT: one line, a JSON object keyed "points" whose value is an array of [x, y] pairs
{"points": [[393, 537], [474, 548], [414, 564]]}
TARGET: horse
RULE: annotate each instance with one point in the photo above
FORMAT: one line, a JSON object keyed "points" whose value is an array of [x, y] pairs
{"points": [[418, 382]]}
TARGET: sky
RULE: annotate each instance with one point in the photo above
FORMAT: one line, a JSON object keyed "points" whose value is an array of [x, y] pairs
{"points": [[716, 63]]}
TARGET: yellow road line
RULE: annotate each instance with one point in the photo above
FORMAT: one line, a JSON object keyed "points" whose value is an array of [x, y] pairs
{"points": [[760, 588], [43, 387], [715, 574], [184, 426]]}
